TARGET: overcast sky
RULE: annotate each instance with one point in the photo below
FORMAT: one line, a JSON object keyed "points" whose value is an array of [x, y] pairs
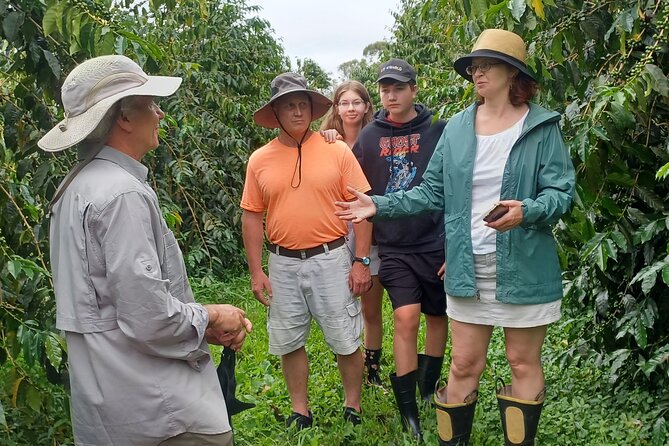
{"points": [[330, 32]]}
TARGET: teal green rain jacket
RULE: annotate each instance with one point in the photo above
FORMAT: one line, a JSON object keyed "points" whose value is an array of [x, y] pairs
{"points": [[538, 172]]}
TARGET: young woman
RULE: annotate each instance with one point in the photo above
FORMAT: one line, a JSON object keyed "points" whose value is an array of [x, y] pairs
{"points": [[502, 267], [351, 110]]}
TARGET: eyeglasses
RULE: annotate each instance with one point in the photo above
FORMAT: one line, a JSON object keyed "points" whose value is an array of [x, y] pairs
{"points": [[347, 104], [483, 66]]}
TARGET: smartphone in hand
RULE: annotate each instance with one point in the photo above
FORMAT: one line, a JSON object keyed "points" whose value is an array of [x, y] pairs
{"points": [[495, 213]]}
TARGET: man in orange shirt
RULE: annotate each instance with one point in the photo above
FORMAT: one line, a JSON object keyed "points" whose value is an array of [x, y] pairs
{"points": [[293, 182]]}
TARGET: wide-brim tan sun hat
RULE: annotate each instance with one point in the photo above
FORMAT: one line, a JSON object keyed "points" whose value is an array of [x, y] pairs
{"points": [[92, 88], [497, 44], [282, 85]]}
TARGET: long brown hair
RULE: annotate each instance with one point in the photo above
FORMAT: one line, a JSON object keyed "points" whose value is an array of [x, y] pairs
{"points": [[332, 119]]}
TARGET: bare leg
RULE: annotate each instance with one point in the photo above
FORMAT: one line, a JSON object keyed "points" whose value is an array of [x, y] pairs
{"points": [[436, 335], [295, 368], [405, 337], [350, 368], [523, 351], [372, 314], [470, 347]]}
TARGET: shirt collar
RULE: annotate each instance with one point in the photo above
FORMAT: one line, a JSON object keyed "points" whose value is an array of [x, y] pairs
{"points": [[134, 167]]}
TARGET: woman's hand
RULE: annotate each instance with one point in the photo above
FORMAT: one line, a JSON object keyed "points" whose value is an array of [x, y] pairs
{"points": [[331, 135], [358, 210], [509, 220]]}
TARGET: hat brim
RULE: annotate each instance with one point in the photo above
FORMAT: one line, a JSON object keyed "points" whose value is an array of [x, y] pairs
{"points": [[395, 77], [73, 130], [462, 63], [265, 116]]}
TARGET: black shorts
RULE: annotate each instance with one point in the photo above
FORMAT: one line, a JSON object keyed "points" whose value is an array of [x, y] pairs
{"points": [[412, 279]]}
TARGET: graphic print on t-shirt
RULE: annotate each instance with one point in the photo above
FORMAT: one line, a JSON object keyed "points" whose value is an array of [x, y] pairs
{"points": [[397, 150]]}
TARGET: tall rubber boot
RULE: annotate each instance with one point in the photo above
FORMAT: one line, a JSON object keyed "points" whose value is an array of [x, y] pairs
{"points": [[520, 418], [404, 388], [454, 420], [429, 371], [372, 361]]}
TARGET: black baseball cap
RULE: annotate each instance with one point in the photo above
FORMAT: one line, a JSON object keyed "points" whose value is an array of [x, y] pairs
{"points": [[397, 69]]}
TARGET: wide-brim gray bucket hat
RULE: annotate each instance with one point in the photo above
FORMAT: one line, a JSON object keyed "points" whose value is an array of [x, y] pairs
{"points": [[92, 88], [282, 85], [497, 44]]}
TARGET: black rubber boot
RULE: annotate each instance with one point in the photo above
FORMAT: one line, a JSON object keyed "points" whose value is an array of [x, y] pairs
{"points": [[429, 371], [404, 388], [520, 418], [372, 361], [454, 420]]}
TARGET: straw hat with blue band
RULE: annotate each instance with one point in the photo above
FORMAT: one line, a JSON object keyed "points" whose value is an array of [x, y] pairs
{"points": [[496, 44]]}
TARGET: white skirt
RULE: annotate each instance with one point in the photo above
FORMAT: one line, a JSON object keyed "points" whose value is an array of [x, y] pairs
{"points": [[486, 310]]}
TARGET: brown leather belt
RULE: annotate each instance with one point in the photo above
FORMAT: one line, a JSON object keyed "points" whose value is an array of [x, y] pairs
{"points": [[305, 253]]}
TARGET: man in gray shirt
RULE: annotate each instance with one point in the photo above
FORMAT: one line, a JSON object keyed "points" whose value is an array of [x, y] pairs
{"points": [[141, 371]]}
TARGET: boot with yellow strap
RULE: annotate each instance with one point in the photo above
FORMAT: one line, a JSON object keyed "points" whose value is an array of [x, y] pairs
{"points": [[454, 420], [520, 418]]}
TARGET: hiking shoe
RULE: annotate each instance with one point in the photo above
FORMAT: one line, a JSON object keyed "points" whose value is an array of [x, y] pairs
{"points": [[300, 421], [353, 416]]}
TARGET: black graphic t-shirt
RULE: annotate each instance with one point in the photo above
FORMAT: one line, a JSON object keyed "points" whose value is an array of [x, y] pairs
{"points": [[394, 157]]}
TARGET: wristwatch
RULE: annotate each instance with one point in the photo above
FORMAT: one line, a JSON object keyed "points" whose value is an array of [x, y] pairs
{"points": [[364, 260]]}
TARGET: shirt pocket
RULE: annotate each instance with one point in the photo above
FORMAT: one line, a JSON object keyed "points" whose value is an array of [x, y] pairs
{"points": [[173, 266]]}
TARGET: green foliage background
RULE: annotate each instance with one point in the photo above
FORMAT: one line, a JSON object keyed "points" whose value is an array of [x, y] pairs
{"points": [[602, 64]]}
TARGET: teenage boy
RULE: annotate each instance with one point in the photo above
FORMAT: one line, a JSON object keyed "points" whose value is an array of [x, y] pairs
{"points": [[394, 151], [292, 183]]}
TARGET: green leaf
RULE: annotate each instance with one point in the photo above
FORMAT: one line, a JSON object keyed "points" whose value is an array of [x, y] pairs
{"points": [[50, 20], [621, 117], [640, 333], [594, 251], [12, 24], [660, 356], [620, 178], [648, 274], [517, 8], [659, 430], [53, 350], [619, 239], [663, 172], [556, 48], [33, 398], [665, 275], [53, 62], [14, 267], [611, 206], [658, 80], [648, 282], [3, 421]]}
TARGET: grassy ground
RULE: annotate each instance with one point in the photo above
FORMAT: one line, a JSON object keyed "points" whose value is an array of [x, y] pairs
{"points": [[580, 409]]}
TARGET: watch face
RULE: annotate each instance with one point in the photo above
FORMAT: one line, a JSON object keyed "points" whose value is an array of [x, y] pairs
{"points": [[365, 261]]}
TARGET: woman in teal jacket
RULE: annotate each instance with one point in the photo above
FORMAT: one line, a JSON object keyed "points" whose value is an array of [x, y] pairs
{"points": [[502, 269]]}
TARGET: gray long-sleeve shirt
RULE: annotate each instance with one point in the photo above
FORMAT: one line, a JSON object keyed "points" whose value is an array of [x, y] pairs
{"points": [[140, 369]]}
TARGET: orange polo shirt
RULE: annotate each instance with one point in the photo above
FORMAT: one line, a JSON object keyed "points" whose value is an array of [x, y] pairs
{"points": [[301, 217]]}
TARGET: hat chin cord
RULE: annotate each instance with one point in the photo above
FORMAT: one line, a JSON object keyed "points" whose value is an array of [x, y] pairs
{"points": [[298, 162]]}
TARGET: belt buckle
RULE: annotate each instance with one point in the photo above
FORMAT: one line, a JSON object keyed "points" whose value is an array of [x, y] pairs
{"points": [[303, 254]]}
